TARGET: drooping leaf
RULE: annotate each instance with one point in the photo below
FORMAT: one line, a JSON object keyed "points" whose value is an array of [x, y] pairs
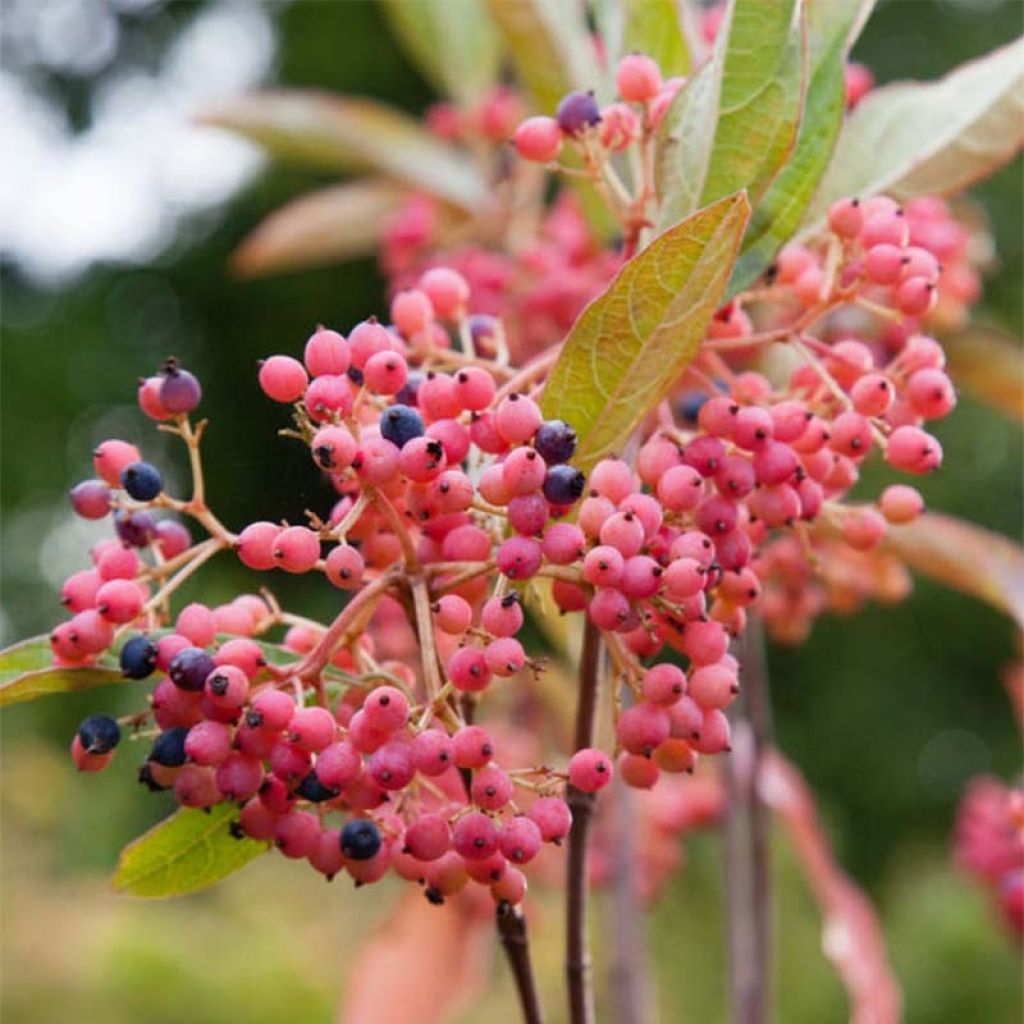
{"points": [[964, 556], [327, 226], [832, 29], [734, 124], [430, 961], [930, 138], [652, 27], [352, 134], [549, 45], [990, 365], [851, 932], [631, 343], [454, 42], [189, 851], [27, 671]]}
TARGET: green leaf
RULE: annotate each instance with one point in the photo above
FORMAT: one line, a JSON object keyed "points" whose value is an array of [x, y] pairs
{"points": [[930, 138], [188, 851], [351, 134], [964, 556], [27, 671], [734, 124], [327, 226], [832, 29], [652, 27], [454, 42], [550, 47], [630, 345]]}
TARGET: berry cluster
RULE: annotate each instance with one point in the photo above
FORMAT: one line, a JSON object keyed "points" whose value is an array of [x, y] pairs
{"points": [[989, 843]]}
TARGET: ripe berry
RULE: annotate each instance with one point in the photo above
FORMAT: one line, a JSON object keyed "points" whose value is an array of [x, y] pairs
{"points": [[189, 668], [360, 839], [138, 657], [142, 481], [564, 485], [399, 424], [555, 441], [99, 734], [91, 499], [168, 748], [576, 112], [180, 391]]}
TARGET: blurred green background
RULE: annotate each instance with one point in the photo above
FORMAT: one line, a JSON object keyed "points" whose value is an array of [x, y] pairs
{"points": [[887, 714]]}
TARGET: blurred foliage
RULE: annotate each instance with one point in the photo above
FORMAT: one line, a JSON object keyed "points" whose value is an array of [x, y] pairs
{"points": [[887, 713]]}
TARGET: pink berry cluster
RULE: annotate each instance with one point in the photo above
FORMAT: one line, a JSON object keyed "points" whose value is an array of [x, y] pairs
{"points": [[989, 843]]}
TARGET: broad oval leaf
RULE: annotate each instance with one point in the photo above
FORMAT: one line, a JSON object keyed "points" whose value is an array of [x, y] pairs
{"points": [[27, 671], [343, 133], [189, 851], [989, 364], [454, 42], [734, 124], [833, 26], [630, 345], [930, 138], [549, 45], [327, 226], [965, 557]]}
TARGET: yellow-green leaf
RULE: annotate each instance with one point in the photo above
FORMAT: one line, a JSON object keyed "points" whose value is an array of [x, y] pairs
{"points": [[930, 138], [27, 671], [454, 42], [188, 851], [989, 364], [734, 124], [832, 29], [965, 557], [549, 45], [344, 133], [631, 343], [330, 225]]}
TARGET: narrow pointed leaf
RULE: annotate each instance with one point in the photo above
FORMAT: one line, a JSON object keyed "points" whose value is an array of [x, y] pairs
{"points": [[832, 29], [327, 226], [352, 134], [454, 42], [189, 851], [630, 345], [966, 557], [27, 671], [735, 123], [550, 47], [930, 138]]}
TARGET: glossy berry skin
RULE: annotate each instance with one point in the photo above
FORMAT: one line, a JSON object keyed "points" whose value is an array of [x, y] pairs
{"points": [[360, 839], [142, 481], [577, 112], [138, 657], [91, 499], [190, 667], [168, 748], [99, 734], [399, 424], [555, 442], [180, 391], [564, 485]]}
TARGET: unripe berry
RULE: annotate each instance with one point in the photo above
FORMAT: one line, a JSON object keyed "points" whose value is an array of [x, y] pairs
{"points": [[283, 379], [913, 451], [91, 499], [538, 139], [255, 545], [326, 353], [473, 747], [589, 770], [552, 816], [447, 290], [638, 78], [901, 504], [846, 218], [296, 549], [492, 788], [111, 458], [345, 567]]}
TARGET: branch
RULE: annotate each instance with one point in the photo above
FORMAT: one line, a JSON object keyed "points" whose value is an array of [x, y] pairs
{"points": [[577, 956], [512, 931]]}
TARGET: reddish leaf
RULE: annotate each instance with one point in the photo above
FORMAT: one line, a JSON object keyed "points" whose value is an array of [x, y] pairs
{"points": [[424, 964], [852, 935]]}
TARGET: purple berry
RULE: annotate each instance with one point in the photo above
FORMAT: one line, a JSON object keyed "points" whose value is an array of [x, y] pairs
{"points": [[91, 499], [564, 485], [577, 111], [555, 441], [190, 667], [180, 391], [135, 528]]}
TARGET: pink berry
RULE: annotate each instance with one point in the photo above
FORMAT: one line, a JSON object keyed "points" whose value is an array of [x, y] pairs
{"points": [[552, 816], [256, 543], [283, 379], [111, 457], [386, 708], [520, 839], [326, 353], [473, 747], [538, 139], [638, 78], [447, 290], [428, 837], [296, 549], [589, 770], [474, 836], [664, 684], [433, 752], [517, 418], [468, 670], [492, 788], [846, 218], [119, 601], [913, 451], [901, 504]]}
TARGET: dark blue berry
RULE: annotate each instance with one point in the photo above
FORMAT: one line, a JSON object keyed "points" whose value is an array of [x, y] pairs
{"points": [[555, 441], [313, 790], [400, 424], [355, 375], [360, 839], [411, 388], [138, 657], [135, 528], [578, 110], [689, 405], [169, 748], [146, 778], [180, 391], [564, 485], [142, 481], [99, 734], [190, 667]]}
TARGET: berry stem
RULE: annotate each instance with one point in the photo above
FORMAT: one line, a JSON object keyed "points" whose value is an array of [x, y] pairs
{"points": [[747, 839], [515, 941], [201, 553], [412, 562], [577, 955], [425, 630]]}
